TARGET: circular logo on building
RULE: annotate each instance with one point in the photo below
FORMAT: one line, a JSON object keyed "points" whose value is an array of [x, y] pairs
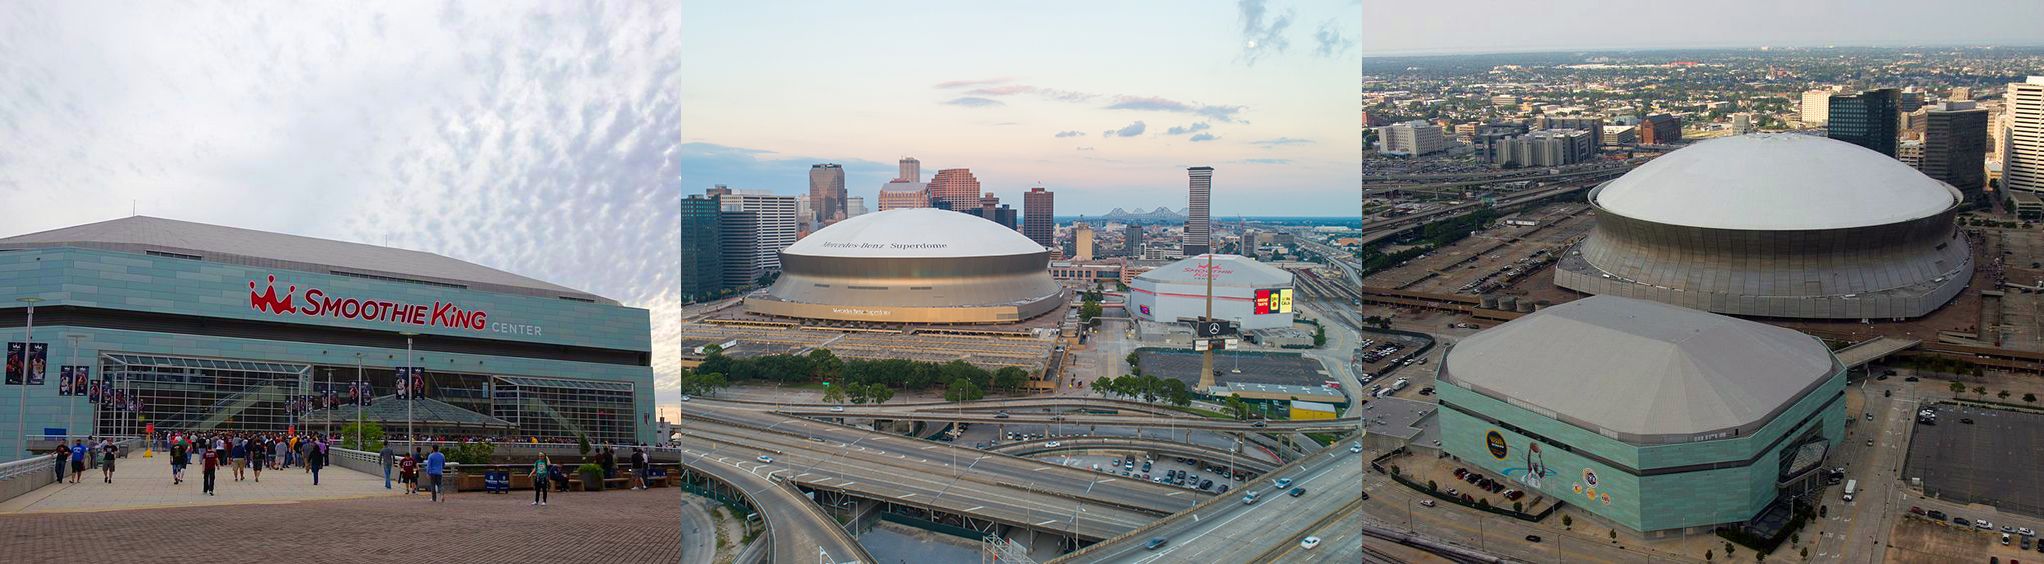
{"points": [[1495, 441], [1590, 477], [1606, 497]]}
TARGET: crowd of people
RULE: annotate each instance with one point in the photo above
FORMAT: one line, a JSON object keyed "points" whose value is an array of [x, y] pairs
{"points": [[246, 455]]}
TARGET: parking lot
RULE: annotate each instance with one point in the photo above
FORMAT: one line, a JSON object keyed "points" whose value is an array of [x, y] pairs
{"points": [[1289, 369], [1998, 460]]}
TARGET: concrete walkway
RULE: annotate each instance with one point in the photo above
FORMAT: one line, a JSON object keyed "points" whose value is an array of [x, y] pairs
{"points": [[144, 483]]}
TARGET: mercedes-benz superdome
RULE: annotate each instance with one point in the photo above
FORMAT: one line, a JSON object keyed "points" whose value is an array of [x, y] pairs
{"points": [[917, 265], [1776, 225], [143, 321], [1253, 294], [1653, 417]]}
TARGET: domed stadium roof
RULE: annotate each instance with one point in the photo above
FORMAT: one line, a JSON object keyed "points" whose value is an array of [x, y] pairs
{"points": [[914, 233], [1775, 181], [1235, 271], [1641, 369]]}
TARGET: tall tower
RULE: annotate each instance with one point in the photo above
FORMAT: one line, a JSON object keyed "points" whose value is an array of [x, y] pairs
{"points": [[2023, 165], [1037, 222], [1867, 119], [826, 193], [912, 170], [954, 189], [756, 226], [1955, 147], [1198, 227], [702, 264], [1082, 241]]}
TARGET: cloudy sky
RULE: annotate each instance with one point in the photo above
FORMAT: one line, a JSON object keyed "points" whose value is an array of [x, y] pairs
{"points": [[511, 134], [1493, 26], [1105, 103]]}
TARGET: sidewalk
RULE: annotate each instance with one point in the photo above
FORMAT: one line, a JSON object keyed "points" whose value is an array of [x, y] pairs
{"points": [[142, 483]]}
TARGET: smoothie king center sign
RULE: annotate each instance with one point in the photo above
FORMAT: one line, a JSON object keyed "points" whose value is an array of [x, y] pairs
{"points": [[318, 303]]}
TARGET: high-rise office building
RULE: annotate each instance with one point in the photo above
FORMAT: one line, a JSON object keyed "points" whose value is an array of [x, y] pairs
{"points": [[911, 170], [756, 225], [987, 203], [1817, 107], [1867, 119], [702, 257], [1955, 147], [1037, 220], [1547, 147], [955, 189], [2022, 166], [1132, 241], [1198, 225], [1910, 152], [901, 194], [855, 206], [826, 193], [1961, 94], [1742, 123], [1082, 241]]}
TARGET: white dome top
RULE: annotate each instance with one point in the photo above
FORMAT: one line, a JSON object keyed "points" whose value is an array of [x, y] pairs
{"points": [[914, 232], [1772, 181]]}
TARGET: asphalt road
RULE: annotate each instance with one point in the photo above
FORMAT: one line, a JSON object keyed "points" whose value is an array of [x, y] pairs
{"points": [[698, 534], [1324, 425], [797, 526]]}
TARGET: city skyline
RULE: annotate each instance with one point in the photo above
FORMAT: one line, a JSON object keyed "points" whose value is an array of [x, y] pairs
{"points": [[1103, 135], [1581, 25]]}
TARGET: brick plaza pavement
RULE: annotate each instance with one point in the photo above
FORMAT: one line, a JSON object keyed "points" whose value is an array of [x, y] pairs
{"points": [[621, 526], [144, 482]]}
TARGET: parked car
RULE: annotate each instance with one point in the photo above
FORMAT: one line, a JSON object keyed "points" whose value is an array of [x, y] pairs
{"points": [[1983, 524], [1426, 503], [1935, 514]]}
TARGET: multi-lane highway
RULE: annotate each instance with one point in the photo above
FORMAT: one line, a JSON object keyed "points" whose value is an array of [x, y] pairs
{"points": [[797, 528], [863, 412], [1232, 531]]}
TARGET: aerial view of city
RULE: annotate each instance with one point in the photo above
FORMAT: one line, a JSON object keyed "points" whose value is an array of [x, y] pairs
{"points": [[1727, 289]]}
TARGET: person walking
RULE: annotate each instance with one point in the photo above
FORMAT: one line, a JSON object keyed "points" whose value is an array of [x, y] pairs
{"points": [[281, 448], [539, 478], [177, 462], [60, 454], [112, 451], [408, 472], [385, 457], [305, 448], [256, 454], [240, 453], [77, 460], [436, 463], [315, 459], [639, 467], [209, 468]]}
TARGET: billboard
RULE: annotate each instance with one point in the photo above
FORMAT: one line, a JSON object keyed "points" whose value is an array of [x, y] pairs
{"points": [[1271, 301]]}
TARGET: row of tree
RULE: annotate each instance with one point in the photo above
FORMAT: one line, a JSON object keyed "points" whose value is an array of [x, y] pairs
{"points": [[1146, 388], [821, 365]]}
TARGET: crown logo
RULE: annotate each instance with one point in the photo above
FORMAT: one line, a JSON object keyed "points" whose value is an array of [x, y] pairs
{"points": [[267, 300]]}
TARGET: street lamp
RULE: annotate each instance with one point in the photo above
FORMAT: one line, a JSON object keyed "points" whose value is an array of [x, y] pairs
{"points": [[21, 421], [410, 395]]}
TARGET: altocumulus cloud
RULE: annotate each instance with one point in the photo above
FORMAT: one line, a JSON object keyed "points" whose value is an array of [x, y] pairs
{"points": [[973, 102], [1130, 130], [1071, 133], [1203, 137], [509, 136], [1184, 129]]}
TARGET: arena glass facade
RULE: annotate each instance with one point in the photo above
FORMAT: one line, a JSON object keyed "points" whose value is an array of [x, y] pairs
{"points": [[228, 345], [1659, 489]]}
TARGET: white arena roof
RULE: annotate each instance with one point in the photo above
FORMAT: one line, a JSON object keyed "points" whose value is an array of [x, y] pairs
{"points": [[263, 249], [1646, 371], [1775, 181], [914, 233], [1236, 271]]}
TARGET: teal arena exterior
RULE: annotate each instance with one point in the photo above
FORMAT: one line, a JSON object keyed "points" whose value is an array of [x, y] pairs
{"points": [[1655, 418], [195, 326]]}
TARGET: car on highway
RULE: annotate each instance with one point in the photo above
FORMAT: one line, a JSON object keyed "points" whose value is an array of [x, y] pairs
{"points": [[1296, 492], [1532, 538], [1283, 483], [1000, 415], [1155, 543], [837, 409], [1426, 502], [1966, 420], [1258, 424], [1309, 542], [1356, 447], [686, 398], [1248, 498], [1053, 444], [765, 459]]}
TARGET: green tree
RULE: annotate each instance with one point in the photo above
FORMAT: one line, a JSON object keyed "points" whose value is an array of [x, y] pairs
{"points": [[1957, 388], [1010, 378], [582, 443], [1614, 535], [1089, 311], [1518, 507], [855, 392], [1982, 390], [1319, 336], [1707, 556], [1431, 486], [1237, 407], [824, 365], [372, 437], [963, 389], [2004, 395], [1568, 522], [834, 393], [2031, 398], [1176, 392], [879, 393], [1132, 357]]}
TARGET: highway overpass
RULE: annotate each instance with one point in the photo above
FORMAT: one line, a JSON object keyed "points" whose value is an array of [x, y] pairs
{"points": [[1341, 425], [1173, 448], [1226, 530]]}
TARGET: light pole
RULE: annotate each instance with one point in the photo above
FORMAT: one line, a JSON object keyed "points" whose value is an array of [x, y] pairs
{"points": [[360, 394], [21, 415], [410, 393]]}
